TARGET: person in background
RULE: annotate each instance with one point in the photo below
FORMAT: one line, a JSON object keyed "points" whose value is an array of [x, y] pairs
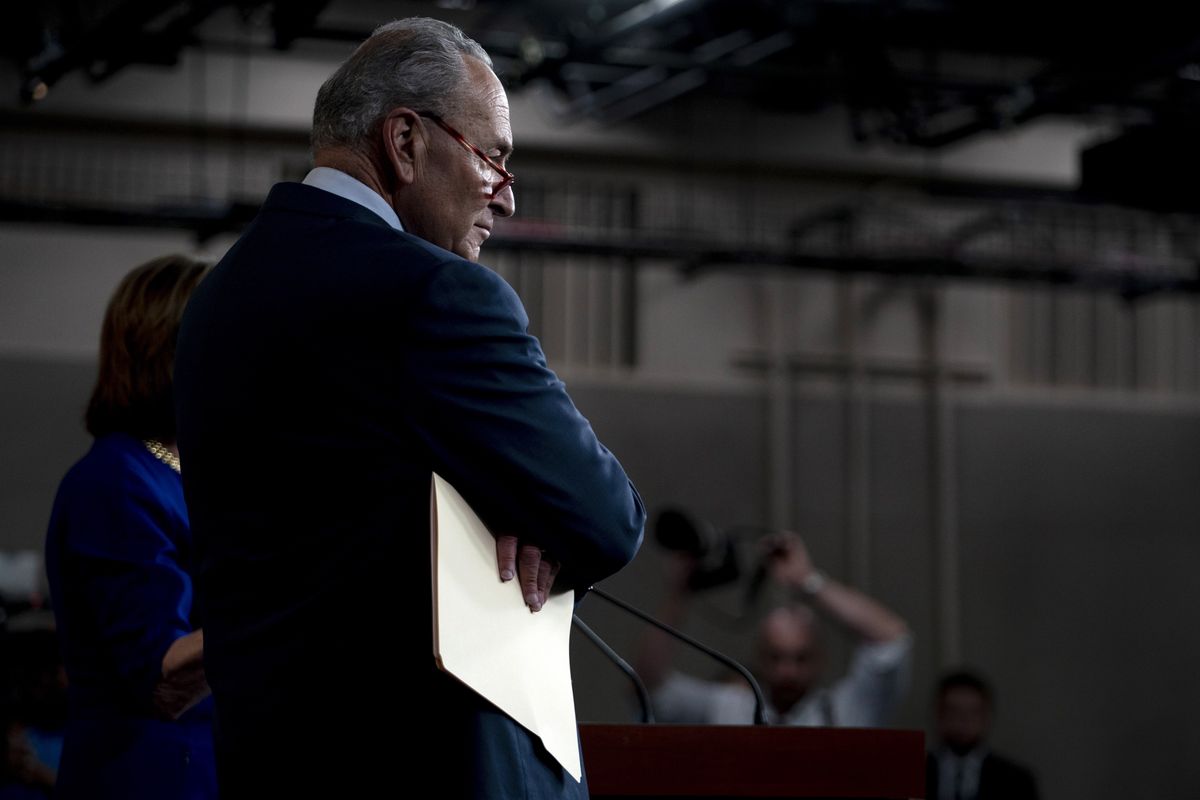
{"points": [[35, 693], [790, 654], [22, 775], [120, 559], [963, 765]]}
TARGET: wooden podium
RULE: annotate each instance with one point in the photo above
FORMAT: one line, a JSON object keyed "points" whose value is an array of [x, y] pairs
{"points": [[643, 761]]}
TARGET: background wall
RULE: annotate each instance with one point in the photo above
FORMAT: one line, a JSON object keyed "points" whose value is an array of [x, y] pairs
{"points": [[1010, 466]]}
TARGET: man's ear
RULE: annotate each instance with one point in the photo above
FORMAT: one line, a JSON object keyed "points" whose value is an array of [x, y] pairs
{"points": [[400, 146]]}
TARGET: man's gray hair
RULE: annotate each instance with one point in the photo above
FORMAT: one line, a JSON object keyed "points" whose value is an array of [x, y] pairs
{"points": [[415, 62]]}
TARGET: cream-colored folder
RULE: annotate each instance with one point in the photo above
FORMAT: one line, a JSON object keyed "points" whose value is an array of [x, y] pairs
{"points": [[484, 635]]}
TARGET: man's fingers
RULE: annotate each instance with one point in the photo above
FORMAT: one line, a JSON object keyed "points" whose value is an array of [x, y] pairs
{"points": [[524, 561], [546, 572], [529, 562], [506, 557]]}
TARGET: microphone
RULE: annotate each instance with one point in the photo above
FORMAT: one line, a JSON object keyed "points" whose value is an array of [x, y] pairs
{"points": [[760, 703], [622, 664]]}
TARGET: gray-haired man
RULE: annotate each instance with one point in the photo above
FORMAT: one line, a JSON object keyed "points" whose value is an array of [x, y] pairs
{"points": [[344, 349]]}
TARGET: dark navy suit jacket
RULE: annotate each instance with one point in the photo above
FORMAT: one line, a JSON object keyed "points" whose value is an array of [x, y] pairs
{"points": [[999, 779], [325, 368]]}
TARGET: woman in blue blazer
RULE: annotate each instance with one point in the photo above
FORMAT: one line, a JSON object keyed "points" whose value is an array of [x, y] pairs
{"points": [[120, 559]]}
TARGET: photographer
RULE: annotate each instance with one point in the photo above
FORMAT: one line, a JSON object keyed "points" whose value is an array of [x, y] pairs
{"points": [[790, 656]]}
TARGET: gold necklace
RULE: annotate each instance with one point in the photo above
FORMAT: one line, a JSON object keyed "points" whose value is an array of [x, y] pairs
{"points": [[160, 451]]}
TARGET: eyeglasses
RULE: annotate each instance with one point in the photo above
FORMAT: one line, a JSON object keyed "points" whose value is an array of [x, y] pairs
{"points": [[506, 177]]}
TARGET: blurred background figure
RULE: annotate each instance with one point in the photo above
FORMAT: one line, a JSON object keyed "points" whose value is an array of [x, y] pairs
{"points": [[33, 701], [963, 766], [120, 561], [790, 653], [32, 682], [22, 775]]}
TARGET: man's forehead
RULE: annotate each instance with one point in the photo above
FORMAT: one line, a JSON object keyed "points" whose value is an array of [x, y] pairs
{"points": [[486, 99]]}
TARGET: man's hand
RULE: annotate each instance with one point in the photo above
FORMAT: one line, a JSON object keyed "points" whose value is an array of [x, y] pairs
{"points": [[788, 560], [535, 570], [790, 564]]}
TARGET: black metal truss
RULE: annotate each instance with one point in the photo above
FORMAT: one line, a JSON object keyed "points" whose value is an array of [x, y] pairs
{"points": [[893, 63], [691, 255]]}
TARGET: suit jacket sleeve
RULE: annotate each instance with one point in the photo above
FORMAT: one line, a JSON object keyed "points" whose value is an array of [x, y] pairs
{"points": [[126, 572], [502, 430]]}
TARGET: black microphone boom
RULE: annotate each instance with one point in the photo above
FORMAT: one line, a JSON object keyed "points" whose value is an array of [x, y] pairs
{"points": [[643, 695], [760, 703]]}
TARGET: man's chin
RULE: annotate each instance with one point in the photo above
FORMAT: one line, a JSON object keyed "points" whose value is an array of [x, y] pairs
{"points": [[961, 748], [466, 248], [469, 247]]}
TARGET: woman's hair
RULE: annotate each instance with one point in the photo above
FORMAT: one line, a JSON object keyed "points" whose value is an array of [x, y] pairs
{"points": [[137, 350]]}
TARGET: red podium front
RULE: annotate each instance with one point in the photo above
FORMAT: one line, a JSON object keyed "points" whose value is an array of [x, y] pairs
{"points": [[641, 761]]}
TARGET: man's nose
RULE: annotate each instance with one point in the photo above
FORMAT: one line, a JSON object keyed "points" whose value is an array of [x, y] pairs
{"points": [[504, 204]]}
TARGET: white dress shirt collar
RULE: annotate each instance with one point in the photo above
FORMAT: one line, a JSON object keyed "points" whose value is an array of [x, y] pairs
{"points": [[337, 182]]}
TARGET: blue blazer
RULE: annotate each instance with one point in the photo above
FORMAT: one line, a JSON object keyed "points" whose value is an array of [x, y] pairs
{"points": [[326, 367], [120, 562]]}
